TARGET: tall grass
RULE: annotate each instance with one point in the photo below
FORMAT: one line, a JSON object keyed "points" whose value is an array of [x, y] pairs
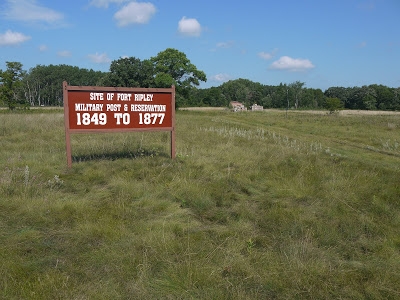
{"points": [[255, 206]]}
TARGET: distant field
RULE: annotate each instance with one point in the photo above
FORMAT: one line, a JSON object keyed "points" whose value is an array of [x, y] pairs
{"points": [[369, 112], [256, 205], [344, 112]]}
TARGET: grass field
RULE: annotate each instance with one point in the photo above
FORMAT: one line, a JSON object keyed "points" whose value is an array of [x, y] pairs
{"points": [[256, 205]]}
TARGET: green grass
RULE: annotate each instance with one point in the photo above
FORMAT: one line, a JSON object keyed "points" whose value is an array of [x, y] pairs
{"points": [[255, 206]]}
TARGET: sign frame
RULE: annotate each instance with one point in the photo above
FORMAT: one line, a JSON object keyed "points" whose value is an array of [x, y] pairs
{"points": [[71, 93]]}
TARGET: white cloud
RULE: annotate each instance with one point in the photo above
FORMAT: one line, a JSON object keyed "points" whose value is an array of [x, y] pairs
{"points": [[99, 58], [64, 53], [362, 44], [43, 48], [291, 64], [30, 11], [221, 77], [105, 3], [189, 27], [135, 13], [367, 5], [267, 55], [225, 45], [11, 38]]}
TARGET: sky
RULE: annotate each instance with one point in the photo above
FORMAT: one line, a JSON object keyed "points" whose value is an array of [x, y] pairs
{"points": [[323, 43]]}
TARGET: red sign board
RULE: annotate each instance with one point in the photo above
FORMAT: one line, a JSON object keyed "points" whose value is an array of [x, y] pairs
{"points": [[104, 109]]}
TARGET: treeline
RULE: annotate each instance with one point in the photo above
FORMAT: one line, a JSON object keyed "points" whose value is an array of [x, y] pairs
{"points": [[42, 86], [371, 97], [295, 95]]}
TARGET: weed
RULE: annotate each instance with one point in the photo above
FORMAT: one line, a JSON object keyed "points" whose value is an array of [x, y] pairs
{"points": [[55, 183]]}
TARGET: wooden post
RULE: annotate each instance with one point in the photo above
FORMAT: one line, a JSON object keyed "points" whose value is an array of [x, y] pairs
{"points": [[66, 121], [173, 152]]}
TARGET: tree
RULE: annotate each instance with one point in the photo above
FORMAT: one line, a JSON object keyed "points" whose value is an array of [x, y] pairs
{"points": [[396, 100], [319, 98], [296, 89], [214, 97], [280, 96], [130, 72], [11, 83], [43, 84], [173, 67], [369, 102], [169, 67], [342, 93], [243, 90], [385, 96], [333, 104], [362, 98]]}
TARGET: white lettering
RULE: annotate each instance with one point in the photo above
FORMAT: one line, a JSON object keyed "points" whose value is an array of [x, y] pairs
{"points": [[152, 118], [110, 96], [113, 107], [148, 107], [96, 96], [87, 119], [88, 107], [144, 97], [124, 97], [126, 118]]}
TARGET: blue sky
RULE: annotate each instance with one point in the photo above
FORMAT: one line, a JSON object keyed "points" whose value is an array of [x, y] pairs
{"points": [[323, 43]]}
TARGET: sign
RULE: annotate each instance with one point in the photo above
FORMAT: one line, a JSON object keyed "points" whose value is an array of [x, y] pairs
{"points": [[116, 109]]}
